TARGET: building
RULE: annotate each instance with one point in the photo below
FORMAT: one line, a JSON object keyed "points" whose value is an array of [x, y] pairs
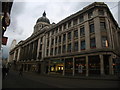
{"points": [[5, 18], [85, 43]]}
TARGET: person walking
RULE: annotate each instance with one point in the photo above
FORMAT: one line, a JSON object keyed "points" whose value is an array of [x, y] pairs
{"points": [[21, 71]]}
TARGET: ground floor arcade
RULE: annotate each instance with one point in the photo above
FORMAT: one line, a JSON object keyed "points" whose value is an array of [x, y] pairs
{"points": [[86, 65]]}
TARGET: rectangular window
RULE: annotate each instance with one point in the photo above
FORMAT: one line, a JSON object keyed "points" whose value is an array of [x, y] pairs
{"points": [[60, 28], [69, 47], [64, 38], [52, 42], [90, 14], [52, 32], [83, 45], [75, 22], [55, 50], [91, 27], [65, 26], [69, 36], [81, 18], [51, 52], [69, 24], [104, 41], [59, 39], [64, 48], [102, 26], [56, 40], [47, 52], [101, 12], [59, 50], [76, 34], [82, 31], [92, 43], [76, 46], [48, 43]]}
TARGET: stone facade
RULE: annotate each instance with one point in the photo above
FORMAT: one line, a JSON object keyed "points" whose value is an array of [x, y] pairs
{"points": [[85, 43]]}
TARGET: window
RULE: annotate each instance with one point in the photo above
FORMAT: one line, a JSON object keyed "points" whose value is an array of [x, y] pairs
{"points": [[65, 26], [64, 37], [76, 34], [47, 42], [82, 31], [90, 14], [60, 28], [47, 52], [91, 27], [101, 12], [69, 47], [92, 43], [104, 41], [56, 40], [64, 48], [55, 50], [83, 45], [75, 22], [81, 18], [76, 46], [52, 32], [59, 39], [59, 50], [51, 52], [102, 26], [56, 30], [69, 36], [69, 24], [52, 41]]}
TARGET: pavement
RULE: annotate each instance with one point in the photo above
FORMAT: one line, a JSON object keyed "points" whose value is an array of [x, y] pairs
{"points": [[34, 80]]}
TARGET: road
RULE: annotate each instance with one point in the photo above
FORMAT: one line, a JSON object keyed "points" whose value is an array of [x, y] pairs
{"points": [[32, 80]]}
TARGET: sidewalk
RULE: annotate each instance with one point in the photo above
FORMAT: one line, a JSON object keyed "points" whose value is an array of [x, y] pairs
{"points": [[106, 77]]}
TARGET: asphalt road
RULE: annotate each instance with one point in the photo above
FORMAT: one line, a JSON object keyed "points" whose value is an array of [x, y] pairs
{"points": [[31, 80]]}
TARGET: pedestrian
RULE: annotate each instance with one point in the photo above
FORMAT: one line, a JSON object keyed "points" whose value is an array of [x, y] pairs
{"points": [[21, 71], [4, 70]]}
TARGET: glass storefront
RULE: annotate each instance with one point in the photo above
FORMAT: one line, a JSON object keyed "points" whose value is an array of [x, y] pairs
{"points": [[56, 66], [68, 66], [94, 65], [80, 66]]}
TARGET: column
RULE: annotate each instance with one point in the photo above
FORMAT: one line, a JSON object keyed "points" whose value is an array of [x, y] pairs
{"points": [[79, 42], [101, 65], [18, 56], [97, 32], [38, 48], [73, 66], [87, 36], [64, 67], [110, 65], [86, 65]]}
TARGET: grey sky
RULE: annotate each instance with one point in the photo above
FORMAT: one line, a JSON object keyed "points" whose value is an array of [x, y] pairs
{"points": [[25, 14]]}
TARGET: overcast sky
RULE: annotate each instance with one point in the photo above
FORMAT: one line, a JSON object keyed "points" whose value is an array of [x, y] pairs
{"points": [[25, 14]]}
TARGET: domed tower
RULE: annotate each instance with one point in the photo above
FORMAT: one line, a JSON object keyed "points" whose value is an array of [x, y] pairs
{"points": [[41, 23]]}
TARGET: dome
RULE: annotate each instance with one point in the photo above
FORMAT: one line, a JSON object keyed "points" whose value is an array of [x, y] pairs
{"points": [[43, 19]]}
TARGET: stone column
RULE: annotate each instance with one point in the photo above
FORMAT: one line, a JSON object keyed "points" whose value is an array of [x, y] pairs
{"points": [[64, 67], [111, 72], [72, 41], [79, 41], [18, 56], [38, 48], [66, 42], [97, 32], [101, 65], [87, 36], [87, 66], [73, 66]]}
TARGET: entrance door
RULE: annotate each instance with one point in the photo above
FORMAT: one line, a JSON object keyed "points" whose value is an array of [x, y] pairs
{"points": [[106, 64]]}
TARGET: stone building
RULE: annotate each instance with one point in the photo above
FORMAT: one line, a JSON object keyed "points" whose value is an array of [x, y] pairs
{"points": [[85, 43]]}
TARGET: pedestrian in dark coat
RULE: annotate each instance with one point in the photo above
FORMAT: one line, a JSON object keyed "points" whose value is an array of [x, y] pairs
{"points": [[21, 71]]}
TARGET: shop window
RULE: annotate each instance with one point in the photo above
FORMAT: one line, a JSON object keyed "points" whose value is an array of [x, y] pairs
{"points": [[92, 43]]}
